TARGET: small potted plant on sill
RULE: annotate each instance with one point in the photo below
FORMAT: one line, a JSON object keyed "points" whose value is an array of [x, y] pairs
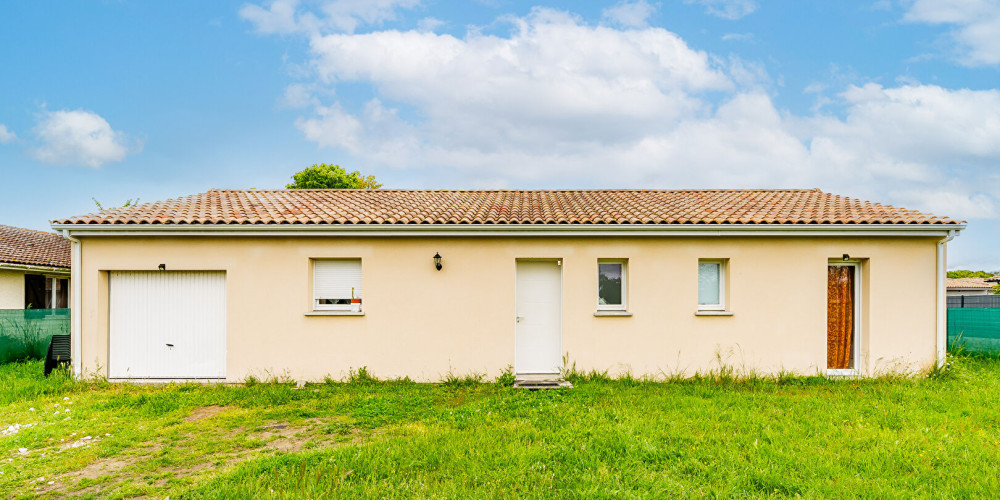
{"points": [[355, 302]]}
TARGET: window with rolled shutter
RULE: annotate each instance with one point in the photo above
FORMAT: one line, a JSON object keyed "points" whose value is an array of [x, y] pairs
{"points": [[335, 283]]}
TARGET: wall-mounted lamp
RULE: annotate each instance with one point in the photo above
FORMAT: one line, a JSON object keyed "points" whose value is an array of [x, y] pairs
{"points": [[162, 267], [437, 261], [847, 257]]}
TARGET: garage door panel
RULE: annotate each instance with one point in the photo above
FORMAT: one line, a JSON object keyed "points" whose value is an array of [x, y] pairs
{"points": [[167, 324]]}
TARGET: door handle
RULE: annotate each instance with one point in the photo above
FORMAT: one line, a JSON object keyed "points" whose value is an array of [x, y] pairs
{"points": [[170, 345]]}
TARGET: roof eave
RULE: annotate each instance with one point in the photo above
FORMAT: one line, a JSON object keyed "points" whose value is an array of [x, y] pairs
{"points": [[937, 229], [14, 266]]}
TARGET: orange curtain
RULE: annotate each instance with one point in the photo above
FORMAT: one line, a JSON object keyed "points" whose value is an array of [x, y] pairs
{"points": [[840, 317]]}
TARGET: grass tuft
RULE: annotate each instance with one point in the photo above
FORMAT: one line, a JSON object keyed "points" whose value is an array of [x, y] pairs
{"points": [[361, 377], [506, 377], [452, 379]]}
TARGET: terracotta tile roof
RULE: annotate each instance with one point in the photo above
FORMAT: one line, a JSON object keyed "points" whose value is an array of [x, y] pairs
{"points": [[390, 206], [967, 283], [994, 279], [38, 248]]}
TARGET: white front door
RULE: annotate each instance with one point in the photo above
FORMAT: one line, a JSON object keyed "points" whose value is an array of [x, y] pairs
{"points": [[167, 324], [538, 322]]}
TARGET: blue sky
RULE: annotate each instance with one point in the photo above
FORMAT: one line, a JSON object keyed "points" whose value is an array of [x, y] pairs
{"points": [[891, 101]]}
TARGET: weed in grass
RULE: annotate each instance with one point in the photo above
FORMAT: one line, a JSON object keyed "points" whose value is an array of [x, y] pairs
{"points": [[952, 370], [506, 377], [785, 377], [452, 379], [361, 377]]}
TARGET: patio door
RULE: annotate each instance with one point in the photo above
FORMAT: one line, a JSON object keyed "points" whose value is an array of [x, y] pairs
{"points": [[538, 321], [842, 317]]}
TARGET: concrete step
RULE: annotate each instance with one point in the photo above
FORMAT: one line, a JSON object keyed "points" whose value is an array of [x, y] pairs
{"points": [[535, 384]]}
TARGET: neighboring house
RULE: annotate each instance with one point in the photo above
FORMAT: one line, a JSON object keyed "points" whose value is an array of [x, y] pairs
{"points": [[969, 286], [308, 283], [34, 269], [993, 279]]}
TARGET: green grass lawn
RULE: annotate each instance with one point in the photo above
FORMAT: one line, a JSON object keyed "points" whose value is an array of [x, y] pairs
{"points": [[892, 437]]}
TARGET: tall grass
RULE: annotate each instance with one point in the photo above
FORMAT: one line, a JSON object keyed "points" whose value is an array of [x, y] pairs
{"points": [[714, 435], [21, 339]]}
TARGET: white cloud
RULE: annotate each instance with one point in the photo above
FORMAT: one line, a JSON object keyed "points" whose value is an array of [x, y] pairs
{"points": [[346, 15], [727, 9], [6, 135], [632, 14], [286, 16], [560, 103], [922, 146], [976, 22], [429, 24], [279, 16], [78, 138], [927, 123], [550, 66], [299, 95], [739, 37]]}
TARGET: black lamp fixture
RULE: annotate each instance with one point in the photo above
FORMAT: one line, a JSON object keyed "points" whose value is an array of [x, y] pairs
{"points": [[437, 261], [162, 267], [846, 257]]}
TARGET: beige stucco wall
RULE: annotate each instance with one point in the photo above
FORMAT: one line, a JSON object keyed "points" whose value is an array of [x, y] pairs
{"points": [[423, 323], [11, 289]]}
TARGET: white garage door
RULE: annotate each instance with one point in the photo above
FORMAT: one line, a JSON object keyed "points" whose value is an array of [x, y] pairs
{"points": [[167, 324]]}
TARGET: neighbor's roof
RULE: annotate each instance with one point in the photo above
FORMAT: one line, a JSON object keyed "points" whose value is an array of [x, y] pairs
{"points": [[994, 278], [392, 206], [30, 247], [968, 284]]}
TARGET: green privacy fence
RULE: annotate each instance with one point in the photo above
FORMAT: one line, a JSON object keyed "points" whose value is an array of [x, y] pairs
{"points": [[25, 333], [974, 329]]}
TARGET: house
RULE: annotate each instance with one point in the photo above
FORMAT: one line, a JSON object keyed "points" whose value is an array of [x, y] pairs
{"points": [[969, 286], [227, 284], [34, 269]]}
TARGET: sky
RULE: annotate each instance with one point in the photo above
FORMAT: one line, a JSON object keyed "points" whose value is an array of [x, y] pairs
{"points": [[893, 101]]}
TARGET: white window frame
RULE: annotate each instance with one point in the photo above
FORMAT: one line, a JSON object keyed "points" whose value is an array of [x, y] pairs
{"points": [[723, 271], [316, 306], [613, 307]]}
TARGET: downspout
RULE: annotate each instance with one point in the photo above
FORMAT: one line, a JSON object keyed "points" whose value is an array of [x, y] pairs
{"points": [[76, 314], [942, 313]]}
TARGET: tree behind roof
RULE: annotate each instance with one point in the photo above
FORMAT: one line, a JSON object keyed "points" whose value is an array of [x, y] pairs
{"points": [[964, 273], [323, 176]]}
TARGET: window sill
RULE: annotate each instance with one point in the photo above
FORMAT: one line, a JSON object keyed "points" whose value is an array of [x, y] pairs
{"points": [[612, 313], [713, 313], [335, 313]]}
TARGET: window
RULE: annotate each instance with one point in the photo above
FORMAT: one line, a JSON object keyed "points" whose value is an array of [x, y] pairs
{"points": [[35, 296], [712, 284], [38, 292], [611, 291], [337, 285]]}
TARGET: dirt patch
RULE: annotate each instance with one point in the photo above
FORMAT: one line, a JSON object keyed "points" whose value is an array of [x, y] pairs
{"points": [[206, 412], [278, 437], [103, 467], [92, 471], [282, 437]]}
